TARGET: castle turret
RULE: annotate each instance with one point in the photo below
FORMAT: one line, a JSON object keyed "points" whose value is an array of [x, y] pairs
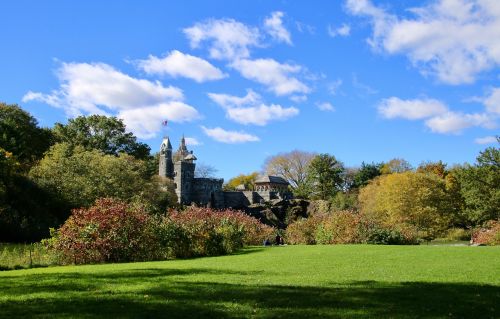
{"points": [[166, 167]]}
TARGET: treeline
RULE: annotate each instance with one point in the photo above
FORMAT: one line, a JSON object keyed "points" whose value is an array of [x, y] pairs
{"points": [[45, 173], [429, 201]]}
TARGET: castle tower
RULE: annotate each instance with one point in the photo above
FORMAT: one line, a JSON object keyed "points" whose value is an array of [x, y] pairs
{"points": [[166, 167], [184, 173]]}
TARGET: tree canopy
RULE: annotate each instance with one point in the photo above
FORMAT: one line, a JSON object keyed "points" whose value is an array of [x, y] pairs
{"points": [[21, 136], [247, 180], [81, 176], [103, 133], [325, 176]]}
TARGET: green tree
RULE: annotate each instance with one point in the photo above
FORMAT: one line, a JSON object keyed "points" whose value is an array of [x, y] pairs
{"points": [[366, 173], [412, 199], [106, 134], [21, 136], [325, 176], [81, 176], [480, 187], [247, 180]]}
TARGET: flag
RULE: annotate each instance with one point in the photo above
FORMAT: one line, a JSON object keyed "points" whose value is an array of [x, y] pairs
{"points": [[164, 123]]}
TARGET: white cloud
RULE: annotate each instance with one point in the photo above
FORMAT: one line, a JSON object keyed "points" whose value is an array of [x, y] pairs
{"points": [[178, 64], [325, 106], [250, 109], [274, 26], [415, 109], [100, 89], [276, 76], [485, 140], [227, 38], [298, 98], [334, 86], [230, 101], [453, 39], [492, 102], [344, 30], [230, 137], [146, 122], [191, 141], [453, 122], [438, 117]]}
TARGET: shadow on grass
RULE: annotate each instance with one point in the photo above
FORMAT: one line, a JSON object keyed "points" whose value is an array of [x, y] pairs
{"points": [[165, 293]]}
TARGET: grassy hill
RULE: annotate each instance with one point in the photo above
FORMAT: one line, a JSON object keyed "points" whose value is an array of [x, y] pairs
{"points": [[289, 282]]}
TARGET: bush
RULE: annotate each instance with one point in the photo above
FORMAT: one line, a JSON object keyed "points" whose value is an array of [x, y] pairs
{"points": [[456, 234], [488, 235], [207, 232], [109, 231], [303, 231], [386, 236], [348, 227], [342, 227]]}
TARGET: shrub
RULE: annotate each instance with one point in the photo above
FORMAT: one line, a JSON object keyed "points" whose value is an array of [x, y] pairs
{"points": [[207, 232], [488, 235], [303, 231], [109, 231], [386, 236], [342, 227], [455, 234]]}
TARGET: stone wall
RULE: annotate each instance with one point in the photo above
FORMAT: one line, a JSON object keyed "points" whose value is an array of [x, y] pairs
{"points": [[203, 190]]}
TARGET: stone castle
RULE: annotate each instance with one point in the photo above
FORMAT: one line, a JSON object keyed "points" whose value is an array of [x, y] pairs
{"points": [[180, 167]]}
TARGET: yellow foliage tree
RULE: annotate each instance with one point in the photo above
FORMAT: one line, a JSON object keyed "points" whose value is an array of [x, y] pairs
{"points": [[409, 199]]}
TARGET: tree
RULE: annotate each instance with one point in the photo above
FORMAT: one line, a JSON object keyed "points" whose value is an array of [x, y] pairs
{"points": [[366, 173], [480, 187], [21, 136], [247, 180], [81, 176], [205, 171], [408, 198], [436, 168], [291, 166], [396, 165], [106, 134], [325, 176]]}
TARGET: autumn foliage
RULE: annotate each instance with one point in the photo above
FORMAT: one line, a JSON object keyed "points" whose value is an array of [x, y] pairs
{"points": [[114, 231]]}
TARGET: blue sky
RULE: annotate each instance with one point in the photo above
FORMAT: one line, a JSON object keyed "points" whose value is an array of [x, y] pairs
{"points": [[242, 80]]}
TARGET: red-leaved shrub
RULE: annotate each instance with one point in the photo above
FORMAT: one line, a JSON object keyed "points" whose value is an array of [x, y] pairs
{"points": [[488, 235], [109, 231]]}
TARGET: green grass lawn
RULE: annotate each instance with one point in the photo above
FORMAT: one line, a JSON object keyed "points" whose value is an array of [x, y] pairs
{"points": [[357, 281]]}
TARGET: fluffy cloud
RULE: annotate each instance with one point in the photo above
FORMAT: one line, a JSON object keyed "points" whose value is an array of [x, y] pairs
{"points": [[453, 122], [325, 106], [344, 30], [191, 141], [452, 39], [178, 64], [438, 117], [250, 109], [145, 122], [230, 137], [229, 101], [100, 89], [276, 76], [274, 27], [492, 102], [485, 140], [226, 38], [416, 109]]}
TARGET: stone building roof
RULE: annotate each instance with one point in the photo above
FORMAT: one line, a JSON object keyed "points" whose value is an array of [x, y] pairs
{"points": [[271, 179]]}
